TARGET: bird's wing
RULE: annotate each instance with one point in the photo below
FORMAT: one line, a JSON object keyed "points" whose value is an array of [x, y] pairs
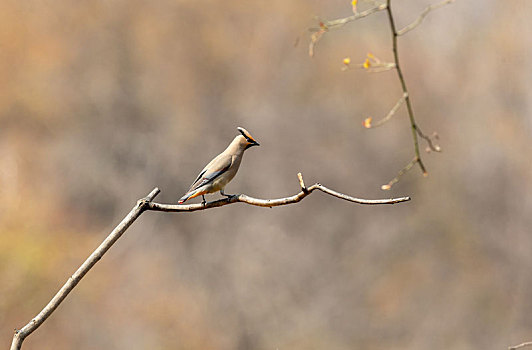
{"points": [[215, 168]]}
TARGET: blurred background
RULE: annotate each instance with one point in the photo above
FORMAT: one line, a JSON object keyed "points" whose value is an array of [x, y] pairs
{"points": [[102, 101]]}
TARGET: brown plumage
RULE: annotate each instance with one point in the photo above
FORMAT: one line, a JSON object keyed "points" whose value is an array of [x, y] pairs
{"points": [[221, 169]]}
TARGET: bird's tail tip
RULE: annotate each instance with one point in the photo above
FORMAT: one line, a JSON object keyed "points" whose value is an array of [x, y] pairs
{"points": [[190, 195]]}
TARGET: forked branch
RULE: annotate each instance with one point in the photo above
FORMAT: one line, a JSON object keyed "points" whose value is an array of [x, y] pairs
{"points": [[147, 203], [375, 65], [413, 125], [325, 26], [242, 198]]}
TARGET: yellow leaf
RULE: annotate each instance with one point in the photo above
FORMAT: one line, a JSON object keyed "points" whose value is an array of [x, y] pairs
{"points": [[366, 64], [347, 60], [367, 123], [370, 55]]}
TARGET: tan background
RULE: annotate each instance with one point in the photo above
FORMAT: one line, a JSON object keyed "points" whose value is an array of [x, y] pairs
{"points": [[102, 101]]}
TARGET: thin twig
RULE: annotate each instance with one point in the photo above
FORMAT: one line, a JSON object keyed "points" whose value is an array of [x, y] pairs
{"points": [[413, 125], [416, 131], [314, 38], [325, 26], [372, 65], [422, 16], [520, 345], [302, 183], [384, 67], [337, 23], [430, 142], [242, 198], [391, 113], [145, 204], [22, 333], [401, 173]]}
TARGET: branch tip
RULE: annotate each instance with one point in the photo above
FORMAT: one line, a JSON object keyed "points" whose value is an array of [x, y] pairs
{"points": [[520, 345], [153, 193], [302, 183]]}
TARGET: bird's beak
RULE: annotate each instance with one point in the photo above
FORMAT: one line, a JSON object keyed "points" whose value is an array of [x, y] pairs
{"points": [[252, 143]]}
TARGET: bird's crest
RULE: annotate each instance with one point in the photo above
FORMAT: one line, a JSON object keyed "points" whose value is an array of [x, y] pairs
{"points": [[246, 134]]}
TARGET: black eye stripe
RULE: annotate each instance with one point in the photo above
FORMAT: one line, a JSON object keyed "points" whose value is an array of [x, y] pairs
{"points": [[248, 138]]}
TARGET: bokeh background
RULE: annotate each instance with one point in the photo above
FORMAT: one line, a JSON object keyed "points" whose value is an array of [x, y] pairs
{"points": [[102, 101]]}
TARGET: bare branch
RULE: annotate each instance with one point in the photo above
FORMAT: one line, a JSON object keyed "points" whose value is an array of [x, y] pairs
{"points": [[302, 183], [403, 171], [384, 67], [372, 64], [430, 140], [422, 16], [141, 205], [325, 26], [242, 198], [147, 204], [314, 38], [413, 125], [391, 113], [520, 345], [340, 22], [416, 131]]}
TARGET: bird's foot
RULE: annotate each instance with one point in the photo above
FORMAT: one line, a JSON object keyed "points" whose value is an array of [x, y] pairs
{"points": [[225, 194], [229, 196]]}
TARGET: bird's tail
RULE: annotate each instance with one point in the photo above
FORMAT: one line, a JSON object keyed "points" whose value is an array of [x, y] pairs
{"points": [[184, 198], [190, 195]]}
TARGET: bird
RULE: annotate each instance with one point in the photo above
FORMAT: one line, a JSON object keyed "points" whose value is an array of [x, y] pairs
{"points": [[221, 169]]}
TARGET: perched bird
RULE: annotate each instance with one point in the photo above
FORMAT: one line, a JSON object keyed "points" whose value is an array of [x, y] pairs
{"points": [[221, 169]]}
